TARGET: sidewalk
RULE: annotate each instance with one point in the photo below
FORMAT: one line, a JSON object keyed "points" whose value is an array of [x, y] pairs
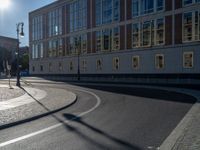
{"points": [[186, 136], [26, 104]]}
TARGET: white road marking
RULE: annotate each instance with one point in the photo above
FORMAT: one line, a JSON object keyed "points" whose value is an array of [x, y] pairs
{"points": [[54, 126]]}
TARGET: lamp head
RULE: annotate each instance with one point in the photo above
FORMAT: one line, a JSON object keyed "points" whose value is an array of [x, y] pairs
{"points": [[22, 30]]}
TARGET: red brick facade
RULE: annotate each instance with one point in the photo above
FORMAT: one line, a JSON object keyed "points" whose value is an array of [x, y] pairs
{"points": [[178, 29], [168, 30]]}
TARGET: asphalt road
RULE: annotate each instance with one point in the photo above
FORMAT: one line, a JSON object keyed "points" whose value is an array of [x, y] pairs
{"points": [[103, 118]]}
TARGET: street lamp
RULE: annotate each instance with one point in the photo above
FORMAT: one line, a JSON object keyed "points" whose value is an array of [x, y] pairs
{"points": [[21, 34], [78, 71]]}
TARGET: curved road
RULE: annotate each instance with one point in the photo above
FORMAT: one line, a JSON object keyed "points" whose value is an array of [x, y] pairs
{"points": [[103, 118]]}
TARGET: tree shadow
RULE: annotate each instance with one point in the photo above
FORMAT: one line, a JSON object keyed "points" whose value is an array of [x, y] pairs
{"points": [[119, 142]]}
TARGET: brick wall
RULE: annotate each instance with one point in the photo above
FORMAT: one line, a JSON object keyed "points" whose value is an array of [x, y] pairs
{"points": [[178, 29], [168, 30], [129, 36]]}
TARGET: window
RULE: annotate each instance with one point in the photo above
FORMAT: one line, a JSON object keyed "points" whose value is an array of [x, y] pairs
{"points": [[188, 60], [197, 26], [71, 45], [98, 5], [116, 11], [135, 8], [153, 37], [37, 28], [50, 67], [187, 26], [78, 15], [60, 67], [84, 65], [159, 61], [41, 68], [116, 63], [142, 7], [107, 11], [60, 47], [159, 5], [83, 43], [55, 22], [146, 33], [98, 41], [99, 64], [33, 68], [78, 44], [160, 31], [116, 41], [135, 62], [55, 47], [107, 39], [191, 26], [71, 67], [147, 6], [37, 51], [186, 2], [135, 35], [149, 33]]}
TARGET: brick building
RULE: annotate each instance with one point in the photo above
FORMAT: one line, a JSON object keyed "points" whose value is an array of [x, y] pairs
{"points": [[116, 38]]}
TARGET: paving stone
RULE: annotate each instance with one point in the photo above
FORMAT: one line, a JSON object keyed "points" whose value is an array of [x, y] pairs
{"points": [[55, 99], [6, 93]]}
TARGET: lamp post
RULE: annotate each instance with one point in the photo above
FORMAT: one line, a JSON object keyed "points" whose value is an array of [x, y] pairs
{"points": [[78, 71], [19, 33]]}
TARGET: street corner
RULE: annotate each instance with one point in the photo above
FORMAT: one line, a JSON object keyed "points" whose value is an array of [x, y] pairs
{"points": [[35, 103], [8, 92], [13, 96]]}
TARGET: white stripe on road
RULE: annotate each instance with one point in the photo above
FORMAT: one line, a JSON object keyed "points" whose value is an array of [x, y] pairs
{"points": [[54, 126]]}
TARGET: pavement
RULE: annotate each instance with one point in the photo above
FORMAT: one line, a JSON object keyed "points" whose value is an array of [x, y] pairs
{"points": [[185, 136], [28, 103]]}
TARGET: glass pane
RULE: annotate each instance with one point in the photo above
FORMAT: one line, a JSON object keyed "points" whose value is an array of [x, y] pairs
{"points": [[135, 8], [186, 2]]}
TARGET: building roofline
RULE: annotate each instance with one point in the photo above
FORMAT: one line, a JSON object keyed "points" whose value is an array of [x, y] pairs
{"points": [[49, 5], [5, 37]]}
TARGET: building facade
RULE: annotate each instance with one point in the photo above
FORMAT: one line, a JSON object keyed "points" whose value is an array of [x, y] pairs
{"points": [[116, 38], [10, 44]]}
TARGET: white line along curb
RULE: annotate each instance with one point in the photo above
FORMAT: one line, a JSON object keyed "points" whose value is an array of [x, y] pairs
{"points": [[24, 99], [56, 125]]}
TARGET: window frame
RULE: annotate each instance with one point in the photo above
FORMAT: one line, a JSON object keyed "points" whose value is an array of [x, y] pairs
{"points": [[84, 65], [138, 62], [114, 48], [114, 63], [157, 65], [99, 68], [156, 30], [193, 35], [187, 53], [100, 22]]}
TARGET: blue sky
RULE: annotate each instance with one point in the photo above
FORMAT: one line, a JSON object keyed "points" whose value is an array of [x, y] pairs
{"points": [[18, 12]]}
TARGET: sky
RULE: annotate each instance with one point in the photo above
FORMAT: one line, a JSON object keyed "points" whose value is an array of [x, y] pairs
{"points": [[18, 12]]}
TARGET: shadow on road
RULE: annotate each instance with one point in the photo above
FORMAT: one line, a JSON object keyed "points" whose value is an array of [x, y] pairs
{"points": [[71, 117], [145, 92], [117, 141], [49, 112]]}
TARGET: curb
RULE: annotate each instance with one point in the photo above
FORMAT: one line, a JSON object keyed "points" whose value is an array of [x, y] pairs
{"points": [[176, 134], [35, 117]]}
